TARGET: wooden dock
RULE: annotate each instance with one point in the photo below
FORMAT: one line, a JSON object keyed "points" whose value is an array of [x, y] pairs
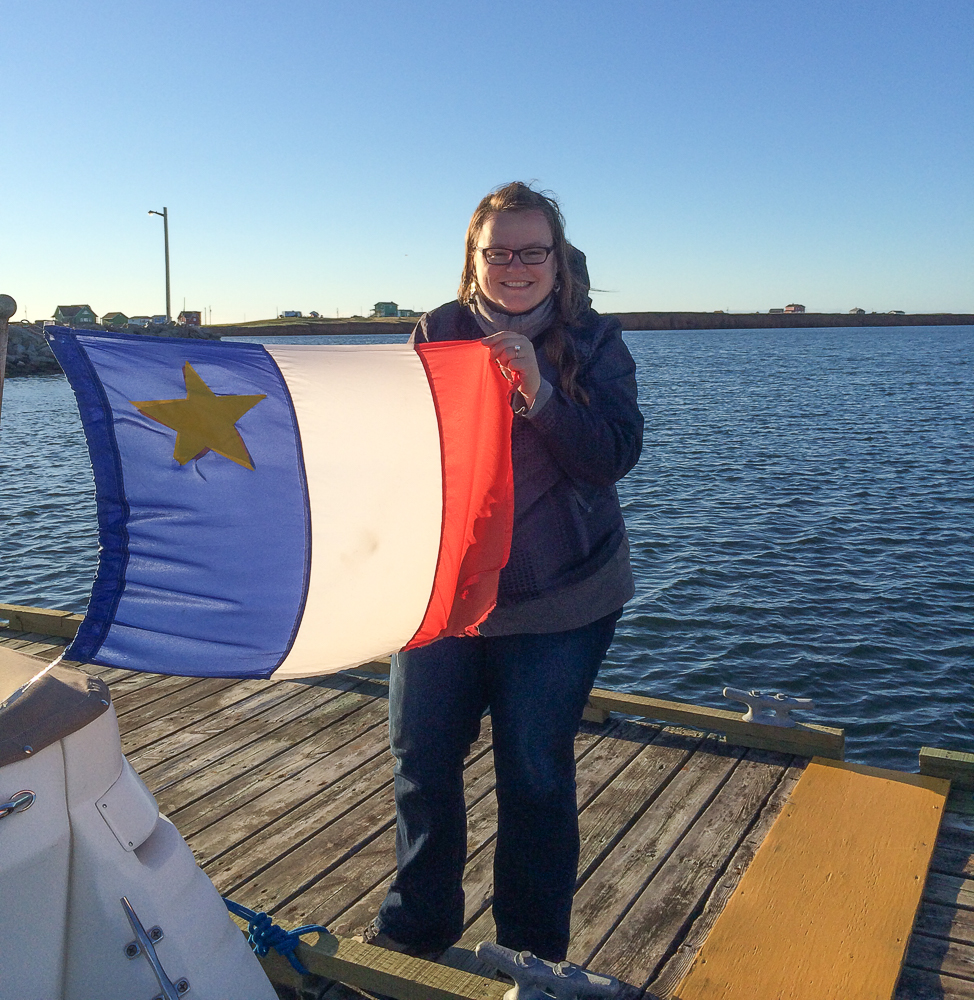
{"points": [[284, 792]]}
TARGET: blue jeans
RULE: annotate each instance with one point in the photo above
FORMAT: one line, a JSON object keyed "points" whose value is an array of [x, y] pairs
{"points": [[536, 687]]}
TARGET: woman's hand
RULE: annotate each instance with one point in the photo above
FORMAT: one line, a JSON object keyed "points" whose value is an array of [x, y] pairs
{"points": [[514, 353]]}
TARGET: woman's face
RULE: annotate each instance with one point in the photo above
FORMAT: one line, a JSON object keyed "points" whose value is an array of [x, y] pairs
{"points": [[515, 287]]}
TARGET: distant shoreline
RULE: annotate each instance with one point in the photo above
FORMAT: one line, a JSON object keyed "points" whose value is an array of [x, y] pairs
{"points": [[630, 321]]}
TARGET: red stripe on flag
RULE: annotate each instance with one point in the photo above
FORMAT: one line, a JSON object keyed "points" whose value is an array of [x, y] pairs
{"points": [[474, 415]]}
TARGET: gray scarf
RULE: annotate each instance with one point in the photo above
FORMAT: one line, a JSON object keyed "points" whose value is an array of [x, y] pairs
{"points": [[490, 319]]}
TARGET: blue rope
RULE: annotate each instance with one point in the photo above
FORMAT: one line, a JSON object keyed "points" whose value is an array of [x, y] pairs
{"points": [[263, 934]]}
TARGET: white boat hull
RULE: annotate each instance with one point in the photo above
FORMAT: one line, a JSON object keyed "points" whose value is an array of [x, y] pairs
{"points": [[92, 836]]}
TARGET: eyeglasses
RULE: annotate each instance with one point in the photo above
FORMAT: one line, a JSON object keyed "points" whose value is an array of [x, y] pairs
{"points": [[529, 255]]}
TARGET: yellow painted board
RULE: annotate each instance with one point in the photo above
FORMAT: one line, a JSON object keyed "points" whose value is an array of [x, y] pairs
{"points": [[825, 909]]}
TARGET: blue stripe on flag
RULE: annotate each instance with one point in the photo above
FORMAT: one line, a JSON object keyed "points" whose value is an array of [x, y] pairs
{"points": [[204, 566]]}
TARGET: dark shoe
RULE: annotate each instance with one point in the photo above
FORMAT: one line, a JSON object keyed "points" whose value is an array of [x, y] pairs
{"points": [[379, 939]]}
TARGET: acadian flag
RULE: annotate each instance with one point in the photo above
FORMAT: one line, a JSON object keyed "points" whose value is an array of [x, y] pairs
{"points": [[287, 510]]}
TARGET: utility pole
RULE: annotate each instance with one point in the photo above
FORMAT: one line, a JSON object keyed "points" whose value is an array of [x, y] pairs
{"points": [[7, 308], [165, 231]]}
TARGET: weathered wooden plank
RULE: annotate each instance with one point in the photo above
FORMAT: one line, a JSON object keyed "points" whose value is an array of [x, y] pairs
{"points": [[955, 766], [23, 618], [53, 640], [380, 666], [241, 700], [957, 821], [673, 972], [609, 815], [951, 922], [170, 743], [233, 734], [373, 863], [42, 649], [918, 984], [481, 829], [625, 873], [605, 759], [955, 836], [122, 682], [323, 847], [949, 890], [297, 826], [384, 972], [842, 870], [677, 892], [136, 705], [322, 708], [249, 802], [16, 642], [369, 863], [949, 958], [8, 635], [114, 675], [354, 917], [601, 807], [239, 860], [804, 740], [605, 817], [949, 861]]}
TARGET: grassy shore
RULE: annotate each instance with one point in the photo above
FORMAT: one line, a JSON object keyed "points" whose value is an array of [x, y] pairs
{"points": [[630, 321]]}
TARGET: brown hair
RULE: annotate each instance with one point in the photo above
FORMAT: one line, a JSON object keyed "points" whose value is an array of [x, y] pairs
{"points": [[571, 296]]}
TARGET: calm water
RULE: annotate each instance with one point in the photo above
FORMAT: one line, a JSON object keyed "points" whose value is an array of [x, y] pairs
{"points": [[802, 520]]}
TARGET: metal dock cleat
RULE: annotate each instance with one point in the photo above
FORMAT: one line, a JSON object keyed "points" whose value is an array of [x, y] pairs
{"points": [[536, 979], [768, 709]]}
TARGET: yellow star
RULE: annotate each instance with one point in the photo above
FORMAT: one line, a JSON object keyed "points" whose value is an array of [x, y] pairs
{"points": [[203, 421]]}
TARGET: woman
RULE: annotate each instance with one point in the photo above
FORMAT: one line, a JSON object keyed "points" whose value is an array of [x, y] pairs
{"points": [[577, 431]]}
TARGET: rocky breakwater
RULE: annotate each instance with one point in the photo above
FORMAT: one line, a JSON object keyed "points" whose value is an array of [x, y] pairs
{"points": [[28, 352]]}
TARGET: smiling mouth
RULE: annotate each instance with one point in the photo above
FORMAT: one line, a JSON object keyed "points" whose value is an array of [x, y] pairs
{"points": [[516, 284]]}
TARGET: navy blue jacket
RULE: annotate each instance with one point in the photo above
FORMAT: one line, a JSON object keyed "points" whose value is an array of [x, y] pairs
{"points": [[567, 457]]}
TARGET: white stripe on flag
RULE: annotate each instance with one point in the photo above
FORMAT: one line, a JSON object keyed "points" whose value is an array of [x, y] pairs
{"points": [[371, 446]]}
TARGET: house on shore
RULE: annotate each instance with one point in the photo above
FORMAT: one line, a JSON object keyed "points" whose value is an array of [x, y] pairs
{"points": [[794, 307], [189, 317], [75, 316], [389, 310], [115, 320]]}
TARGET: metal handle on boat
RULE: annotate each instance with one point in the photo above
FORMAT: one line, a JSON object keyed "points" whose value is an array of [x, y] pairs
{"points": [[19, 802], [145, 941]]}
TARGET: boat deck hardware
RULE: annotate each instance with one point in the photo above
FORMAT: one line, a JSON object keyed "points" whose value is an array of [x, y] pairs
{"points": [[145, 941], [19, 802], [536, 979], [768, 709], [133, 949]]}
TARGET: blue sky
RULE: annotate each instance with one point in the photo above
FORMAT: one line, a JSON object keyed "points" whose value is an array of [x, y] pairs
{"points": [[708, 154]]}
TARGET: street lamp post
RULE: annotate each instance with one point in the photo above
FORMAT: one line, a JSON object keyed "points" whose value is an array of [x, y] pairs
{"points": [[165, 230]]}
